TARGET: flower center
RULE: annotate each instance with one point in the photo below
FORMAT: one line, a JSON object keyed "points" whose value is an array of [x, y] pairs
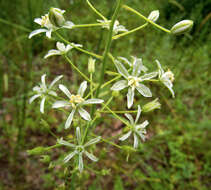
{"points": [[79, 149], [45, 20], [170, 75], [75, 99], [133, 81]]}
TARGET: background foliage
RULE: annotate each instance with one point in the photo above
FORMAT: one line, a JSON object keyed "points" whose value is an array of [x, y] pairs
{"points": [[177, 154]]}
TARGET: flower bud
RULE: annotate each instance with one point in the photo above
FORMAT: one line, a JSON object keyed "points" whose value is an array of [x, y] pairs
{"points": [[154, 15], [36, 151], [128, 149], [151, 106], [45, 159], [115, 93], [182, 27], [56, 17], [91, 65]]}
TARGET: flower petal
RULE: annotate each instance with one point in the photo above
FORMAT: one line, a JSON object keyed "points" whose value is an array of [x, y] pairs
{"points": [[138, 114], [142, 126], [125, 60], [55, 80], [38, 21], [52, 53], [60, 46], [124, 137], [160, 70], [52, 93], [169, 86], [43, 80], [35, 32], [84, 114], [78, 135], [93, 101], [92, 141], [69, 156], [137, 66], [130, 118], [135, 144], [69, 119], [82, 88], [42, 105], [119, 85], [34, 97], [148, 76], [68, 25], [121, 69], [91, 156], [63, 142], [48, 33], [143, 90], [80, 162], [60, 104], [65, 90], [130, 98]]}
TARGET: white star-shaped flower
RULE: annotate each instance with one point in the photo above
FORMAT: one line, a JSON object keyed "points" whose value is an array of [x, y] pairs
{"points": [[133, 80], [138, 130], [166, 78], [79, 149], [61, 49], [47, 26], [76, 102], [43, 91]]}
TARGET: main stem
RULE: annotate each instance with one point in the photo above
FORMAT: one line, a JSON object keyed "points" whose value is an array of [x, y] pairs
{"points": [[108, 46]]}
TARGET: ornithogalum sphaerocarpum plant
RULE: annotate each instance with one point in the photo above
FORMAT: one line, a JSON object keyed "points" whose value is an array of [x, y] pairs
{"points": [[84, 107]]}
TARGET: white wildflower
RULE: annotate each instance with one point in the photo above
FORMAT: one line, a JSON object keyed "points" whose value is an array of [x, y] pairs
{"points": [[138, 130], [47, 25], [61, 49], [76, 102], [80, 149], [166, 78], [133, 80], [43, 91]]}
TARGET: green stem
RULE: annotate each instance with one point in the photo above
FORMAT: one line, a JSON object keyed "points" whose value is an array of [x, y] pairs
{"points": [[79, 49], [116, 116], [121, 112], [109, 142], [145, 18], [92, 122], [129, 32], [108, 46], [107, 83], [76, 68], [91, 86], [86, 25], [95, 10]]}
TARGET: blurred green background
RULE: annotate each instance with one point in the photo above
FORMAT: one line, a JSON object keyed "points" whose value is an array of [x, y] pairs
{"points": [[177, 154]]}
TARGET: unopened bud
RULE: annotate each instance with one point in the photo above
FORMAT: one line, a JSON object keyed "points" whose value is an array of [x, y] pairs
{"points": [[91, 65], [36, 151], [45, 159], [154, 15], [128, 149], [115, 93], [182, 27], [155, 104], [56, 17]]}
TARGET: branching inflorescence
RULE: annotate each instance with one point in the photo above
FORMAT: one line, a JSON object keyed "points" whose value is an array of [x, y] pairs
{"points": [[131, 74]]}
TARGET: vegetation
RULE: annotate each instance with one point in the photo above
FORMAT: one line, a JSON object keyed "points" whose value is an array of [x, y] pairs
{"points": [[176, 154]]}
